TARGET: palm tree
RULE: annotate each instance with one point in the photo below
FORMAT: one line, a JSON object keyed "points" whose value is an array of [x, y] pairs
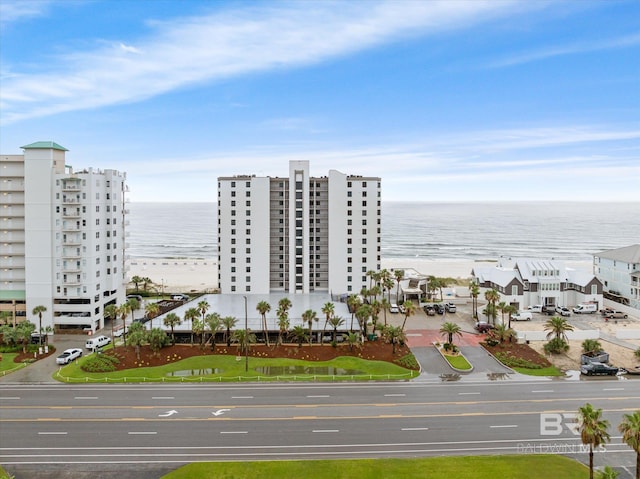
{"points": [[197, 328], [335, 322], [191, 315], [399, 275], [409, 310], [299, 335], [309, 316], [123, 311], [502, 332], [131, 305], [152, 310], [354, 303], [353, 340], [474, 290], [172, 320], [229, 322], [244, 338], [202, 307], [593, 430], [137, 337], [492, 296], [510, 310], [284, 304], [376, 306], [39, 310], [136, 280], [608, 473], [449, 329], [213, 321], [111, 313], [591, 346], [502, 307], [394, 335], [283, 323], [363, 314], [263, 308], [630, 429], [146, 282], [558, 327], [438, 284], [328, 309], [157, 339]]}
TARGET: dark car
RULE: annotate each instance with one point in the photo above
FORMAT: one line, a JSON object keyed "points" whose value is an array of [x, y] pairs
{"points": [[549, 310], [598, 369], [429, 309], [439, 307], [483, 327]]}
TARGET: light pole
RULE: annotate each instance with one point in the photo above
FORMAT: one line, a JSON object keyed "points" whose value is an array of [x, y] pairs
{"points": [[246, 337]]}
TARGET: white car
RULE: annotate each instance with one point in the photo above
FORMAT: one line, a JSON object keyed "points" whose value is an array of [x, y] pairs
{"points": [[120, 331], [69, 355], [536, 308], [394, 308]]}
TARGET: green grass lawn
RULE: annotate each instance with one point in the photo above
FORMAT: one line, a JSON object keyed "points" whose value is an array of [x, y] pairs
{"points": [[550, 371], [533, 466], [227, 368], [7, 363], [458, 362]]}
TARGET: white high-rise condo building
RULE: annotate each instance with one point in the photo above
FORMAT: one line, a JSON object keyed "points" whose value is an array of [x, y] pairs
{"points": [[298, 234], [62, 239]]}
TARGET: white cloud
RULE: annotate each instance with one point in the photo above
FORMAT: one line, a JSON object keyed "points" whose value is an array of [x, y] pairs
{"points": [[189, 51], [12, 11], [571, 49]]}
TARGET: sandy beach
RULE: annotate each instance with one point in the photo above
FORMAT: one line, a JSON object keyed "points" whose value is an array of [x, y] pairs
{"points": [[191, 275]]}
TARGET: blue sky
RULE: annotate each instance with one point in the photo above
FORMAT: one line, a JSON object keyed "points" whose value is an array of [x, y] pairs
{"points": [[446, 101]]}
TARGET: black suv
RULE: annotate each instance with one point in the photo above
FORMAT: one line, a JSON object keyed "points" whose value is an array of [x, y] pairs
{"points": [[439, 307], [598, 369]]}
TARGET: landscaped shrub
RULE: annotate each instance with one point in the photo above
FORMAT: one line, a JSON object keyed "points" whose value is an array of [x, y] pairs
{"points": [[409, 361], [556, 346], [100, 363], [512, 361], [637, 353]]}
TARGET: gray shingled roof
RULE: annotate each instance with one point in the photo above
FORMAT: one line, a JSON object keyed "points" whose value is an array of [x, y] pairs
{"points": [[626, 254]]}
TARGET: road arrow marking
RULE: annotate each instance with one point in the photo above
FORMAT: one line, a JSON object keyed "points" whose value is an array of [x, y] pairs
{"points": [[168, 413], [220, 412]]}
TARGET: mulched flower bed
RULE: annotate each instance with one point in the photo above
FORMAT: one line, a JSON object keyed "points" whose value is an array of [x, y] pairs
{"points": [[28, 356], [371, 350], [519, 350]]}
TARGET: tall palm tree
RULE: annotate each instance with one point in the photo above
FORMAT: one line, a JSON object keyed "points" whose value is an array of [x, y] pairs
{"points": [[384, 304], [283, 323], [510, 310], [229, 322], [409, 310], [263, 308], [630, 429], [327, 309], [197, 329], [502, 306], [363, 314], [146, 282], [38, 310], [335, 322], [309, 316], [137, 337], [191, 315], [203, 307], [172, 320], [492, 296], [132, 304], [136, 280], [557, 327], [213, 321], [399, 275], [474, 290], [284, 304], [123, 311], [152, 310], [593, 430], [394, 335], [354, 303], [449, 329], [111, 312]]}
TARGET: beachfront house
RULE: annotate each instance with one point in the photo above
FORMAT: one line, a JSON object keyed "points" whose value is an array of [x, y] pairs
{"points": [[619, 271], [524, 282]]}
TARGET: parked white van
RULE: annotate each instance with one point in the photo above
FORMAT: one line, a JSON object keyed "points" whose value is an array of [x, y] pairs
{"points": [[97, 342], [586, 308], [522, 316]]}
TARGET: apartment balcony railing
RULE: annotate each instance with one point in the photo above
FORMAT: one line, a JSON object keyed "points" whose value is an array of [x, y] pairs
{"points": [[67, 200], [71, 213]]}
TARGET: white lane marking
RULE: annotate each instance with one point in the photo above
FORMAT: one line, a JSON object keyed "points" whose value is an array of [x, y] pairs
{"points": [[86, 397], [325, 430], [394, 395], [319, 396], [467, 394], [414, 429], [52, 433], [506, 425], [234, 432], [613, 389], [542, 391], [241, 397], [168, 413], [139, 433], [162, 397], [220, 411], [10, 397]]}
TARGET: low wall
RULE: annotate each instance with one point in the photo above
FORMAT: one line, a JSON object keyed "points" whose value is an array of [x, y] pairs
{"points": [[580, 335], [628, 334]]}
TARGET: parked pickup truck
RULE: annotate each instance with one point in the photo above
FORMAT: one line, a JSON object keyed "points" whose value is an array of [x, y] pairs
{"points": [[615, 314], [598, 369]]}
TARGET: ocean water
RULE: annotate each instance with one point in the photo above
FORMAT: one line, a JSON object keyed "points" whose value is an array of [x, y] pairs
{"points": [[435, 231]]}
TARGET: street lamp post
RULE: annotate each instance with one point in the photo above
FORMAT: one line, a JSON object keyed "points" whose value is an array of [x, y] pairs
{"points": [[246, 337]]}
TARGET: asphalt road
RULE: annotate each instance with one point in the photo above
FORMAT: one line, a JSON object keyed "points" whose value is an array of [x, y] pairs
{"points": [[147, 430]]}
